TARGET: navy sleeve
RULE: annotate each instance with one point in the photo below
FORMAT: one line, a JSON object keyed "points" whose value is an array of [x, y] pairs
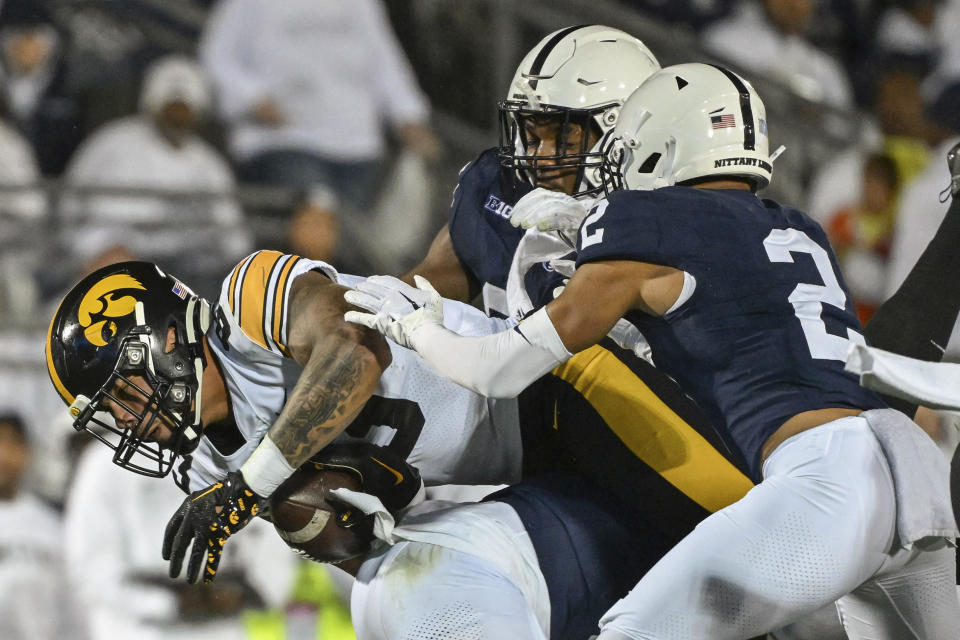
{"points": [[458, 229], [480, 230]]}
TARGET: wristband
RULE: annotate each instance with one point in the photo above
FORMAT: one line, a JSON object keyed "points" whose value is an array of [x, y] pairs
{"points": [[266, 468]]}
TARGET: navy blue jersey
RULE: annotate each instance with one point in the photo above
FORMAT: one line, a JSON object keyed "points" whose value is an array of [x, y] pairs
{"points": [[764, 335], [480, 229], [591, 548]]}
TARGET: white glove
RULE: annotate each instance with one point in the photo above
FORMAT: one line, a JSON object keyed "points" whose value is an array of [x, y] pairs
{"points": [[383, 521], [549, 211], [386, 294], [396, 321]]}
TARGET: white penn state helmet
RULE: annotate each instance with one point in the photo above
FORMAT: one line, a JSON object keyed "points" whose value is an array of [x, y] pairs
{"points": [[688, 122], [580, 75]]}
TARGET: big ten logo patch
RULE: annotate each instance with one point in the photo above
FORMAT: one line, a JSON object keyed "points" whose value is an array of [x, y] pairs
{"points": [[497, 206]]}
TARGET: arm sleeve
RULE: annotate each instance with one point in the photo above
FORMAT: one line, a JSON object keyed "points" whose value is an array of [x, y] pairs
{"points": [[918, 319], [500, 365], [469, 321], [255, 296], [932, 384]]}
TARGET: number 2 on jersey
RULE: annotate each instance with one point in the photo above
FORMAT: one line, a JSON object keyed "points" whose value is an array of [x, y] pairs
{"points": [[588, 237], [808, 299]]}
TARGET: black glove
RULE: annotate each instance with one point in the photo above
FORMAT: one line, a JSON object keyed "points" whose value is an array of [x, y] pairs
{"points": [[382, 472], [198, 521]]}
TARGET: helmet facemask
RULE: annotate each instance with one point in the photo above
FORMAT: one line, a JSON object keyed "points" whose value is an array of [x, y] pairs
{"points": [[576, 144], [648, 164], [611, 169]]}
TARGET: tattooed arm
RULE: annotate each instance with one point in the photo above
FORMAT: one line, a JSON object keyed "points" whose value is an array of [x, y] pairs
{"points": [[341, 366], [342, 363]]}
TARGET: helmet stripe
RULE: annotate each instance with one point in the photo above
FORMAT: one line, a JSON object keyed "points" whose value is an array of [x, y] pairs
{"points": [[749, 136], [544, 53]]}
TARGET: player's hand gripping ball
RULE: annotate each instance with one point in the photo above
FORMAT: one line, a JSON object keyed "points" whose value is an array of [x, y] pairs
{"points": [[313, 522]]}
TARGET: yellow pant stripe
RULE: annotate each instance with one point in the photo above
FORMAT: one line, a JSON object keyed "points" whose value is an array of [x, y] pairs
{"points": [[653, 431]]}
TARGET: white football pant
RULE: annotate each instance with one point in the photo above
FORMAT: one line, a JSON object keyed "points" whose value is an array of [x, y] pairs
{"points": [[819, 528], [470, 574]]}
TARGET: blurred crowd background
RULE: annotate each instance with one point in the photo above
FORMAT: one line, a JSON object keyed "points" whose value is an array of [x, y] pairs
{"points": [[189, 132]]}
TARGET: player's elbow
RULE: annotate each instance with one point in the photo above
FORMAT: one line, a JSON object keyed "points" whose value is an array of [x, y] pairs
{"points": [[372, 347]]}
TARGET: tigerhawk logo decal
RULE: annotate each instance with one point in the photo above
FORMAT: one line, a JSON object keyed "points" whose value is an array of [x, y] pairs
{"points": [[99, 302]]}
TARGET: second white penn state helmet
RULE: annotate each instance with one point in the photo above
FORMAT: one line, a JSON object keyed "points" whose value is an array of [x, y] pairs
{"points": [[685, 123], [581, 75]]}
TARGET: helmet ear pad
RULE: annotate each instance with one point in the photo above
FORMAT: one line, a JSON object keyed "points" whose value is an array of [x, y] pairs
{"points": [[175, 361]]}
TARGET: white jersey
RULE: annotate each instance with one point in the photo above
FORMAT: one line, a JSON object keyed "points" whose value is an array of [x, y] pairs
{"points": [[450, 434]]}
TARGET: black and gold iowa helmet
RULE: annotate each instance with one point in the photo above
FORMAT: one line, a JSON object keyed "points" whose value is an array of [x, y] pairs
{"points": [[110, 332]]}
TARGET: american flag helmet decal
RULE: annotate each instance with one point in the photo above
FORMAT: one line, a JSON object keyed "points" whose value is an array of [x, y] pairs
{"points": [[180, 290], [724, 121]]}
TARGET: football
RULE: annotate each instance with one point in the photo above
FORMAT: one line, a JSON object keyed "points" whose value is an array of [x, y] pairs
{"points": [[314, 523]]}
